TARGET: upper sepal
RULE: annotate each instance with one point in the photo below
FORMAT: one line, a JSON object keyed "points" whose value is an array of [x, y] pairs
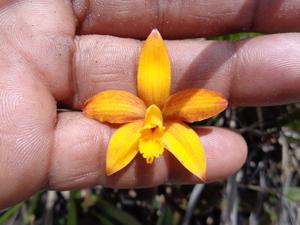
{"points": [[154, 71]]}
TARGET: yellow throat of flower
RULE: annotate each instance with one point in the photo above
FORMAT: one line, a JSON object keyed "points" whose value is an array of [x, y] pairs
{"points": [[150, 145]]}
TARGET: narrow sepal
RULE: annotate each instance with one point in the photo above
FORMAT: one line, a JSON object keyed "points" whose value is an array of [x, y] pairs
{"points": [[114, 106], [192, 105], [123, 147], [185, 145]]}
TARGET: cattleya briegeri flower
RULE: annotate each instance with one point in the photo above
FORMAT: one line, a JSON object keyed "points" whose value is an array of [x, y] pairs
{"points": [[154, 121]]}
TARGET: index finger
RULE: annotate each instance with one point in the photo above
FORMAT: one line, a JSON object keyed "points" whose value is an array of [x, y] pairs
{"points": [[181, 19]]}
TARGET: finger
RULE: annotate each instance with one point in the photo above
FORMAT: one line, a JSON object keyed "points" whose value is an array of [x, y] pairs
{"points": [[79, 155], [259, 71], [27, 120], [42, 33], [36, 47], [176, 19]]}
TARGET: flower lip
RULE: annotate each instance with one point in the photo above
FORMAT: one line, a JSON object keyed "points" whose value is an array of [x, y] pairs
{"points": [[150, 145]]}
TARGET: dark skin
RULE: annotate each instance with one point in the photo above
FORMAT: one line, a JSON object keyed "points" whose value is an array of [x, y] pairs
{"points": [[47, 57]]}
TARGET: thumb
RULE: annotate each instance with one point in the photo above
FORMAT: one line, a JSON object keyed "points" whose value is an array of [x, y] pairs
{"points": [[27, 121]]}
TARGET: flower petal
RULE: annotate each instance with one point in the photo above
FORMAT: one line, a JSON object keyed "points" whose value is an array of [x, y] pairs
{"points": [[185, 145], [154, 71], [192, 105], [114, 106], [123, 146]]}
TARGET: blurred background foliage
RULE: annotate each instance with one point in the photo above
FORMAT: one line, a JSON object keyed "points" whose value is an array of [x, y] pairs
{"points": [[265, 191]]}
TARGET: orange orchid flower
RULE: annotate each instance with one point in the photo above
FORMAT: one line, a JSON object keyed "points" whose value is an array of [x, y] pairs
{"points": [[154, 121]]}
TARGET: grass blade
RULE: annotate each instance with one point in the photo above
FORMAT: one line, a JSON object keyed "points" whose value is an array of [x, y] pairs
{"points": [[10, 213], [117, 214], [72, 213]]}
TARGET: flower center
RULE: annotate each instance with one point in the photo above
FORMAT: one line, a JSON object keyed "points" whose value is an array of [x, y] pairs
{"points": [[150, 145]]}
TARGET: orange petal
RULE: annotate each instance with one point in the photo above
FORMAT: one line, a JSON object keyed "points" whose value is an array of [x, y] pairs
{"points": [[123, 146], [192, 105], [114, 106], [154, 71], [185, 145]]}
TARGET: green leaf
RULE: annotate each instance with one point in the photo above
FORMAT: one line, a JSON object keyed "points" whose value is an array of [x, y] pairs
{"points": [[31, 207], [10, 213], [102, 219], [235, 37], [293, 194], [294, 124], [72, 213], [166, 217], [272, 213], [117, 214]]}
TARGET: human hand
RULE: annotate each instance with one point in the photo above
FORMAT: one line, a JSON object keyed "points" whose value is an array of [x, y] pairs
{"points": [[43, 63]]}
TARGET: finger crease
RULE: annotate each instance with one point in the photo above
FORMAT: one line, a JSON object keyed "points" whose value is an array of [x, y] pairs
{"points": [[81, 10], [254, 10], [233, 71], [73, 76]]}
